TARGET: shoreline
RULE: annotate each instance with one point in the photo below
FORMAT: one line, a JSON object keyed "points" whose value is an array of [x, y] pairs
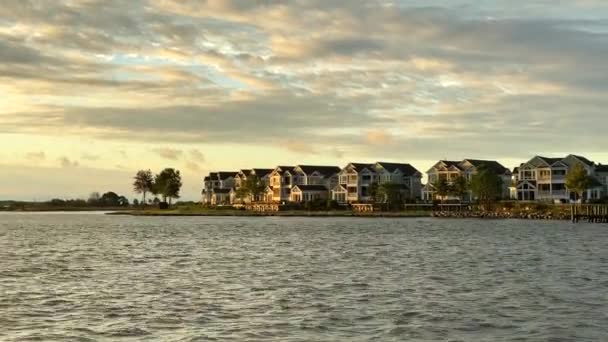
{"points": [[240, 213]]}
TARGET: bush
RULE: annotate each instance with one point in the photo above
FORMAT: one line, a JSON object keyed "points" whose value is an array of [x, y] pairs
{"points": [[333, 205]]}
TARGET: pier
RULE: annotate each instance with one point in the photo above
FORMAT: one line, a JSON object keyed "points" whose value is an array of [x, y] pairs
{"points": [[592, 213]]}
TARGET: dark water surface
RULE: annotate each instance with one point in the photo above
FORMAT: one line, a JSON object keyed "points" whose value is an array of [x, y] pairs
{"points": [[90, 277]]}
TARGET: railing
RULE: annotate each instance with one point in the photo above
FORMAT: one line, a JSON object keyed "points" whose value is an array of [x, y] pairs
{"points": [[558, 193]]}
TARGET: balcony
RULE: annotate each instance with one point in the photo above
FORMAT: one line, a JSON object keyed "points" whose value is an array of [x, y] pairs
{"points": [[554, 194]]}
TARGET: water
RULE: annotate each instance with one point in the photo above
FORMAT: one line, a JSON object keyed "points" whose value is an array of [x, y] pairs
{"points": [[87, 277]]}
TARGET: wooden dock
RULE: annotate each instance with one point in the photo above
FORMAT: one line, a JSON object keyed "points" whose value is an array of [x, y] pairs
{"points": [[592, 213]]}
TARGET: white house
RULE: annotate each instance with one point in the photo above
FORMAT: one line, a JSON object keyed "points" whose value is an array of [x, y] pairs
{"points": [[312, 182], [544, 179], [450, 170], [355, 181], [217, 186], [308, 193]]}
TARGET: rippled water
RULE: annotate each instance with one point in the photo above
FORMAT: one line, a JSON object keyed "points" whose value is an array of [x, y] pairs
{"points": [[87, 277]]}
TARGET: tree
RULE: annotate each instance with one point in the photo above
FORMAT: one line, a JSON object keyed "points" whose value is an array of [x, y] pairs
{"points": [[442, 188], [390, 194], [578, 181], [253, 187], [136, 202], [110, 199], [460, 187], [168, 183], [94, 198], [123, 201], [144, 182], [487, 186]]}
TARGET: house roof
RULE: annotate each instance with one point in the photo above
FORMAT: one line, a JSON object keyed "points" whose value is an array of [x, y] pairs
{"points": [[213, 175], [206, 179], [452, 163], [406, 169], [262, 172], [601, 168], [323, 170], [283, 169], [550, 161], [493, 165], [223, 175], [311, 187], [584, 160], [246, 172], [361, 166]]}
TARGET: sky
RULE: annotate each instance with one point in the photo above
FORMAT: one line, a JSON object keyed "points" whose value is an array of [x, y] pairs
{"points": [[93, 90]]}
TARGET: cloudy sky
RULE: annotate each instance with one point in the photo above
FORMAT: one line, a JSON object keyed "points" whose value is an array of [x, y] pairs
{"points": [[93, 90]]}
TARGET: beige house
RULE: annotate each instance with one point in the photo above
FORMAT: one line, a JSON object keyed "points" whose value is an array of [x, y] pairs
{"points": [[262, 174], [449, 171], [281, 183]]}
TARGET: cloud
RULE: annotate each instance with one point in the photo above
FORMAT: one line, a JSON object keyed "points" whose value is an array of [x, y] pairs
{"points": [[169, 153], [197, 155], [299, 147], [192, 166], [379, 137], [90, 157], [36, 156], [65, 162], [305, 75]]}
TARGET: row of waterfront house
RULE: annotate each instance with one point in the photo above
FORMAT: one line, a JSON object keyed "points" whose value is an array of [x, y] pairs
{"points": [[539, 179]]}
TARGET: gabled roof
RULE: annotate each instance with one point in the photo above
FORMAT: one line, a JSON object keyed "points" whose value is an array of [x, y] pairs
{"points": [[223, 175], [281, 169], [583, 159], [325, 171], [361, 166], [450, 163], [406, 169], [447, 163], [246, 172], [311, 187], [549, 161], [262, 172], [492, 165]]}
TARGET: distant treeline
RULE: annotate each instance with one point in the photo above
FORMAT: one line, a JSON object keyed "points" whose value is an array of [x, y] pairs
{"points": [[109, 199]]}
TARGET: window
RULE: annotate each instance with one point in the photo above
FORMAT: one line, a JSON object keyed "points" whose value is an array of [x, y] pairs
{"points": [[352, 190], [559, 187], [366, 178]]}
